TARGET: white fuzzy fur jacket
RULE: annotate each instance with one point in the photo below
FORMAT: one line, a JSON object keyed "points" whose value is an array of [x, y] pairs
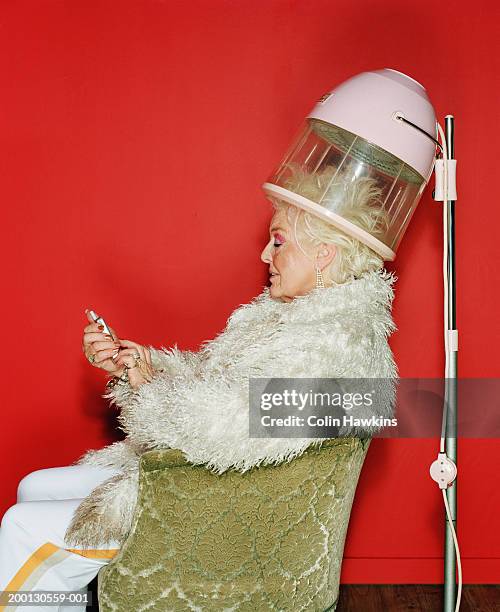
{"points": [[199, 403]]}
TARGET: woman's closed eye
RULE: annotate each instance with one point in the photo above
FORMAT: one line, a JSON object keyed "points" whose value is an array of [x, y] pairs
{"points": [[278, 240]]}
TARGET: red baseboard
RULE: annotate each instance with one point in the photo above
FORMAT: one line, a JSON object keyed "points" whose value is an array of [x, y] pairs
{"points": [[415, 571]]}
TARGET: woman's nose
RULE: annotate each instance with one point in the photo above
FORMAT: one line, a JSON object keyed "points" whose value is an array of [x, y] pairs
{"points": [[266, 253]]}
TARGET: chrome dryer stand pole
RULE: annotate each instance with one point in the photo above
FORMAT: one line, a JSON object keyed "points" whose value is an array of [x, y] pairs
{"points": [[450, 560]]}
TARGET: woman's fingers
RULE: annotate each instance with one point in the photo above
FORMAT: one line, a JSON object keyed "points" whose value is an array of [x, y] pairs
{"points": [[147, 371], [96, 336], [146, 367], [96, 328], [96, 349], [92, 322], [133, 345], [128, 354], [104, 345], [101, 356], [92, 326], [99, 345], [149, 363], [130, 344], [91, 337], [136, 376], [128, 357]]}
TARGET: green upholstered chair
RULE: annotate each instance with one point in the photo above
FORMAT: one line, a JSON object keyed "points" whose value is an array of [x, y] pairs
{"points": [[271, 538]]}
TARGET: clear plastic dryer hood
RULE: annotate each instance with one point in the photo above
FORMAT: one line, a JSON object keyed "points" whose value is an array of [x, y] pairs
{"points": [[354, 144]]}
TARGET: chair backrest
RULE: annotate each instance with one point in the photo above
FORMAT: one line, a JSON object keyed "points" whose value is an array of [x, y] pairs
{"points": [[271, 538]]}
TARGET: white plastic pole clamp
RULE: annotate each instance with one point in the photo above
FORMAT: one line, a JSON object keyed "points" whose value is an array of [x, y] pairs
{"points": [[443, 471], [451, 167]]}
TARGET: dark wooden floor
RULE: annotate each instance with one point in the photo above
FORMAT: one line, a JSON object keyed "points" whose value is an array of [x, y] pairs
{"points": [[398, 597], [425, 597]]}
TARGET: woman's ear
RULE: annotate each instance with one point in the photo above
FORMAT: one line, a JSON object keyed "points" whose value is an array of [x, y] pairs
{"points": [[325, 255]]}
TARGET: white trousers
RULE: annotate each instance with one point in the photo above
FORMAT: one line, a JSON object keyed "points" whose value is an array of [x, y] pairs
{"points": [[33, 554]]}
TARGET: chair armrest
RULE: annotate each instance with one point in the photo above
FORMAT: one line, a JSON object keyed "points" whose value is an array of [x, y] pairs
{"points": [[161, 459]]}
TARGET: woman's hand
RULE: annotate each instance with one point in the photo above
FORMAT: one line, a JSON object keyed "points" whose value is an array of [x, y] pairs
{"points": [[99, 348], [136, 359], [116, 357]]}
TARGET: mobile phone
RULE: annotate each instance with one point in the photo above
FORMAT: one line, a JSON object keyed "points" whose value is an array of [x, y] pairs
{"points": [[98, 319]]}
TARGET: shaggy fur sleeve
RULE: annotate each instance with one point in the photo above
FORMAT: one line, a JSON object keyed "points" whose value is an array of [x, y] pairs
{"points": [[169, 362], [174, 361], [123, 454]]}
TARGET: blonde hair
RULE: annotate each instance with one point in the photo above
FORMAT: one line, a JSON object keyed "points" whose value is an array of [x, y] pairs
{"points": [[357, 200]]}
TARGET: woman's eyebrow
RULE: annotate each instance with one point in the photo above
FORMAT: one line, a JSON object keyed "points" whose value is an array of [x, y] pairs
{"points": [[276, 228]]}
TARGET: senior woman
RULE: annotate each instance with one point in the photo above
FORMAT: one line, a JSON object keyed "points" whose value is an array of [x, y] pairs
{"points": [[326, 313]]}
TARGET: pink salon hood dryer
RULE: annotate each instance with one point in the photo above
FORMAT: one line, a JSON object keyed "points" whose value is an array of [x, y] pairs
{"points": [[378, 125], [371, 145]]}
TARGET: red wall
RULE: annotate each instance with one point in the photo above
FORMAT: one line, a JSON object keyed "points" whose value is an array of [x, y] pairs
{"points": [[135, 138]]}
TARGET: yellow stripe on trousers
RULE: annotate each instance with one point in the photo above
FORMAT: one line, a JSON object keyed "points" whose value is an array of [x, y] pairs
{"points": [[95, 553], [42, 554]]}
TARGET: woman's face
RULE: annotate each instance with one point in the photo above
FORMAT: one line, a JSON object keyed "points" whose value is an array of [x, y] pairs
{"points": [[291, 272]]}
